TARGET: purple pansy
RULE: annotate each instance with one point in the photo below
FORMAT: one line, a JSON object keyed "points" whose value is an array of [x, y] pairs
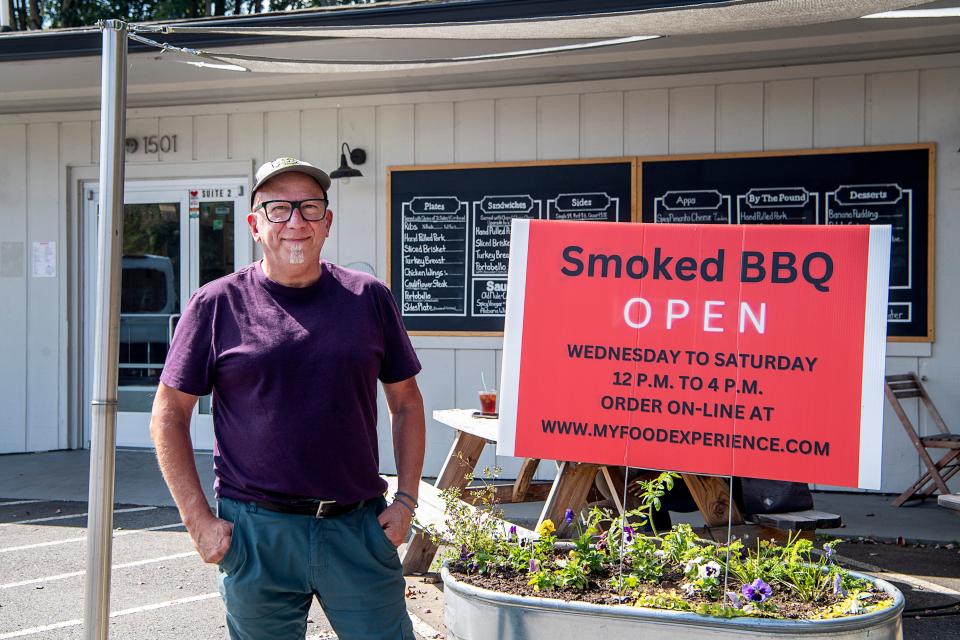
{"points": [[513, 531], [628, 534], [828, 551], [568, 516], [602, 541], [757, 591], [838, 589], [534, 565], [734, 598], [710, 570]]}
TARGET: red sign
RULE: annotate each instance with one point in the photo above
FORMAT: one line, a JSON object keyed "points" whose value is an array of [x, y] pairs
{"points": [[753, 351]]}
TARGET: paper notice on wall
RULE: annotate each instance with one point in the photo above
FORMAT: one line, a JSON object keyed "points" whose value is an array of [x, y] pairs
{"points": [[45, 259]]}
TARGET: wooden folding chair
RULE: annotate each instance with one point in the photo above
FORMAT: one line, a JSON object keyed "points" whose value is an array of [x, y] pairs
{"points": [[899, 387]]}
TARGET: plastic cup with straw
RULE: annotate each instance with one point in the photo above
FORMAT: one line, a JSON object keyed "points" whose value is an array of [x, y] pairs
{"points": [[488, 398]]}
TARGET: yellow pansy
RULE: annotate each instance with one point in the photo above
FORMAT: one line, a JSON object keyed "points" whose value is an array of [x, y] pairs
{"points": [[546, 528]]}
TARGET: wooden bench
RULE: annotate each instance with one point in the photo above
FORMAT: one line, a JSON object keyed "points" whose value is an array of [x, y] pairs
{"points": [[949, 501], [431, 513], [780, 526], [574, 482], [712, 497]]}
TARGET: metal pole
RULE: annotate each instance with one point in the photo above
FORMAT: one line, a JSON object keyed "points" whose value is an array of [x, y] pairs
{"points": [[113, 108]]}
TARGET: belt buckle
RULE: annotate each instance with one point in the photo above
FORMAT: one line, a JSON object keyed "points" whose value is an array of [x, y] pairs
{"points": [[321, 505]]}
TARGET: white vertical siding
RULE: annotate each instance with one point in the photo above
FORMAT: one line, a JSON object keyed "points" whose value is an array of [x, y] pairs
{"points": [[692, 119], [940, 120], [75, 149], [740, 117], [246, 137], [892, 107], [182, 128], [211, 137], [14, 271], [836, 106], [433, 125], [601, 124], [838, 111], [473, 131], [281, 134], [140, 128], [558, 139], [395, 146], [474, 141], [516, 133], [43, 294], [357, 237], [646, 126], [788, 114], [434, 144]]}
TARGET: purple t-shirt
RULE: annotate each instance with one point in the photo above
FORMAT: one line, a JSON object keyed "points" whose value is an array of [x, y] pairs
{"points": [[293, 372]]}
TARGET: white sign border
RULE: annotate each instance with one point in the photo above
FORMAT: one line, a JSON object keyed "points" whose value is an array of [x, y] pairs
{"points": [[874, 358], [513, 336]]}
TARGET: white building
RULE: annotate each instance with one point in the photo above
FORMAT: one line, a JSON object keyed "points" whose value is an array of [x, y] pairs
{"points": [[199, 133]]}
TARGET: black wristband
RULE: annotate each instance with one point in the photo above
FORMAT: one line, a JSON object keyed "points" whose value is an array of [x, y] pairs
{"points": [[397, 500], [407, 495]]}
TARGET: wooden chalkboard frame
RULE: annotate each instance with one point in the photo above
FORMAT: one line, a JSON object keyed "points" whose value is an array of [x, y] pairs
{"points": [[634, 208], [931, 149]]}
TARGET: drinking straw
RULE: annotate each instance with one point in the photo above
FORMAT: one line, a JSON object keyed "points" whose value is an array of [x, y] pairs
{"points": [[483, 380]]}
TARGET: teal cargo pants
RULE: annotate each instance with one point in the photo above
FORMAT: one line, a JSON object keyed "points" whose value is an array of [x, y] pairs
{"points": [[278, 562]]}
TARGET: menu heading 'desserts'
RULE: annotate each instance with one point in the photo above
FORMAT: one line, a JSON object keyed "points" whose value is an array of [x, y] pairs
{"points": [[754, 351]]}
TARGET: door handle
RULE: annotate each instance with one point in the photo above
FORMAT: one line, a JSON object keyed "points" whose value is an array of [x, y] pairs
{"points": [[171, 322]]}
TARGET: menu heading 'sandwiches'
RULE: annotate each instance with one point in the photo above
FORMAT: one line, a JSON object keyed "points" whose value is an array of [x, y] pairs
{"points": [[449, 227], [863, 185]]}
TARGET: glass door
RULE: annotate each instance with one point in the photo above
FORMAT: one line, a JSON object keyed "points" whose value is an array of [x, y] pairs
{"points": [[176, 238]]}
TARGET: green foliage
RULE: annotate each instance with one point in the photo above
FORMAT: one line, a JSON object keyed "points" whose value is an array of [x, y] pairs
{"points": [[858, 602], [670, 600], [36, 14], [475, 532], [651, 492], [608, 555]]}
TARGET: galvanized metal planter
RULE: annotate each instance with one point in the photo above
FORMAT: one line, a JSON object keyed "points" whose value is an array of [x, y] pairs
{"points": [[471, 613]]}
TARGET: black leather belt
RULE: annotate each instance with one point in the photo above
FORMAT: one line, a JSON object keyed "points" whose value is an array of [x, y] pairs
{"points": [[315, 508]]}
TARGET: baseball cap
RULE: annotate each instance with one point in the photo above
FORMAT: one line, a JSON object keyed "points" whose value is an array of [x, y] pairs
{"points": [[284, 165]]}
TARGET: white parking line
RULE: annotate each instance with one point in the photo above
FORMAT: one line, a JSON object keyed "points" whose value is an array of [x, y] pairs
{"points": [[422, 628], [419, 626], [116, 534], [16, 502], [71, 515], [116, 614], [74, 574]]}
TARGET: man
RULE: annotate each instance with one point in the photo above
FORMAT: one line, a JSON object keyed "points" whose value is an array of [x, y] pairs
{"points": [[291, 348]]}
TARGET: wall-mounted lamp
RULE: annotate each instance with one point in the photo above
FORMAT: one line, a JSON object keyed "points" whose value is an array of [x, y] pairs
{"points": [[345, 171]]}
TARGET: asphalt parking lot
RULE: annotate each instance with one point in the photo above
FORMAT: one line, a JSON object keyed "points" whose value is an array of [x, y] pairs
{"points": [[160, 588]]}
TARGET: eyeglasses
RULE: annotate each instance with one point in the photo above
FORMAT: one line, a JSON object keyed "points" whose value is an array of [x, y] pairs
{"points": [[312, 210]]}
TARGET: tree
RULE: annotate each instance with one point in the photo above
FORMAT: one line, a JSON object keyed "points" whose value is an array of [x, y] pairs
{"points": [[42, 14]]}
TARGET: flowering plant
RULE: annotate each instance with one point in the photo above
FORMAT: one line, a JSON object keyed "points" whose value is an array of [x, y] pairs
{"points": [[609, 561]]}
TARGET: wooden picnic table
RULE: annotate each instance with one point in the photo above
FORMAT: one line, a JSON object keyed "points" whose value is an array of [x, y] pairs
{"points": [[569, 489]]}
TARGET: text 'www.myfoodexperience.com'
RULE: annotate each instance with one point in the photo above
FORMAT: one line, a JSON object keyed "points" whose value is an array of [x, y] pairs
{"points": [[687, 437]]}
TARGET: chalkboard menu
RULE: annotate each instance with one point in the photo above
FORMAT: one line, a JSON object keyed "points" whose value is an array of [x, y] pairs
{"points": [[449, 226], [864, 185]]}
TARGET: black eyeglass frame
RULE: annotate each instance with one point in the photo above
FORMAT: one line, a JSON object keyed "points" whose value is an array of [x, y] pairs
{"points": [[295, 204]]}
